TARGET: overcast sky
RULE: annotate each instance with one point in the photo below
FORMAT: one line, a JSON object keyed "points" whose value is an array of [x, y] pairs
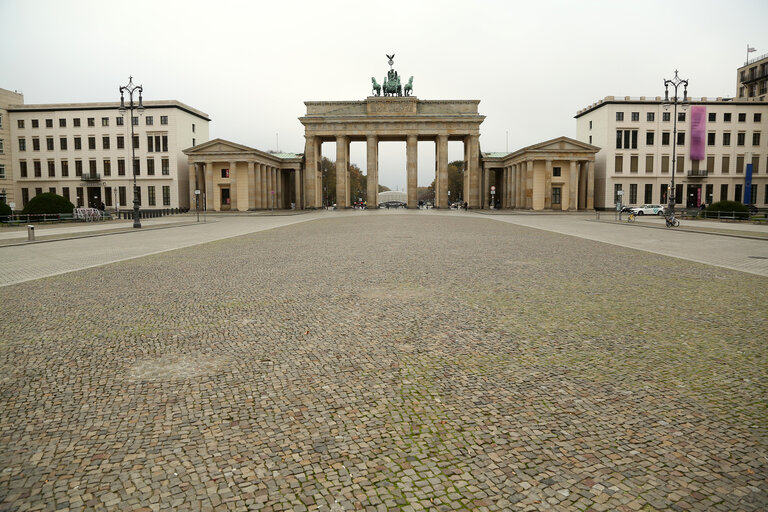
{"points": [[251, 65]]}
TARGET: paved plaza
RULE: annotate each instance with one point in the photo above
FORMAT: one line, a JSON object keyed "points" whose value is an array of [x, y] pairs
{"points": [[385, 361]]}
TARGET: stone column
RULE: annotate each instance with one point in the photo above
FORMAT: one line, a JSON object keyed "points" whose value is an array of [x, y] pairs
{"points": [[548, 186], [192, 173], [297, 188], [342, 164], [262, 184], [573, 186], [411, 157], [472, 145], [582, 185], [311, 185], [486, 188], [372, 153], [441, 160], [251, 186], [209, 192], [233, 186], [591, 185], [279, 199], [529, 184]]}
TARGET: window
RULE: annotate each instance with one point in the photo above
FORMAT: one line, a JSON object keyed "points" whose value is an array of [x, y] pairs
{"points": [[165, 143], [666, 116], [712, 117], [635, 116], [78, 167], [2, 146], [681, 138], [665, 163], [742, 117], [725, 166], [740, 138], [38, 191], [65, 168], [20, 123], [136, 166], [38, 169], [710, 164], [165, 167], [107, 167], [726, 138], [105, 142], [121, 195], [49, 123], [151, 195], [648, 166], [23, 168], [104, 121], [709, 193], [619, 166], [756, 118], [150, 166], [616, 190], [648, 197], [108, 196], [650, 116], [680, 164], [193, 126], [590, 140], [35, 123], [724, 192], [24, 196], [92, 167], [119, 121], [135, 120], [163, 119], [135, 142], [120, 142], [150, 144], [52, 190], [62, 123], [91, 142], [625, 139], [166, 195], [755, 163], [2, 175], [756, 139], [632, 193], [148, 120], [649, 138], [765, 194], [556, 195], [665, 138], [633, 163], [556, 171], [727, 117], [63, 143], [22, 144], [225, 172], [120, 167], [78, 143], [193, 140], [740, 164], [753, 194], [681, 116], [711, 139], [678, 193], [51, 169], [737, 193], [79, 193], [36, 144], [91, 121]]}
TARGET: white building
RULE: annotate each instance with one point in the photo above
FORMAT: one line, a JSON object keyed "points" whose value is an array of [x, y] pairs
{"points": [[635, 135], [6, 176], [82, 151]]}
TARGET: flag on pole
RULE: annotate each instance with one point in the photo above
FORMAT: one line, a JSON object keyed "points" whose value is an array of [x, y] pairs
{"points": [[750, 49]]}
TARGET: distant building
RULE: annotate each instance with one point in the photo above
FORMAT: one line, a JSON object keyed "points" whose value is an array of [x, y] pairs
{"points": [[6, 169], [636, 134], [82, 151], [393, 195], [752, 79]]}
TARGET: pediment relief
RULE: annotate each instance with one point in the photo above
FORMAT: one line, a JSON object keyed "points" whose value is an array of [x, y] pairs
{"points": [[562, 144], [218, 146]]}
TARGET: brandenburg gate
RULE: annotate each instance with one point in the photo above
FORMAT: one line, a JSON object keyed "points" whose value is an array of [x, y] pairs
{"points": [[393, 118]]}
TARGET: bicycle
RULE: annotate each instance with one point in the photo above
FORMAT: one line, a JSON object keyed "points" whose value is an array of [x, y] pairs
{"points": [[631, 217], [671, 221]]}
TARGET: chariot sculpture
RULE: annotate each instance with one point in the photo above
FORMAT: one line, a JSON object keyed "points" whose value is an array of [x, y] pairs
{"points": [[392, 85]]}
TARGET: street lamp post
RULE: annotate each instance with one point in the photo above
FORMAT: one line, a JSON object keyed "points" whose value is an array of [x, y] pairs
{"points": [[130, 88], [676, 82]]}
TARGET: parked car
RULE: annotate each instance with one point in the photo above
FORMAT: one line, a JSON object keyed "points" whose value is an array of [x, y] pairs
{"points": [[648, 209]]}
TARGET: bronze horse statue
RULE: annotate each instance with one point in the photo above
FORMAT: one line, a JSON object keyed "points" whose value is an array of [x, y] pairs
{"points": [[408, 87], [376, 87]]}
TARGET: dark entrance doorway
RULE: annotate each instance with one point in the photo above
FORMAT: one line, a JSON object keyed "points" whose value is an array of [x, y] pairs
{"points": [[693, 196], [225, 200], [94, 197]]}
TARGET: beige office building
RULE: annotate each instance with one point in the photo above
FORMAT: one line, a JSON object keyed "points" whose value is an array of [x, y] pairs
{"points": [[82, 151], [752, 79], [6, 174]]}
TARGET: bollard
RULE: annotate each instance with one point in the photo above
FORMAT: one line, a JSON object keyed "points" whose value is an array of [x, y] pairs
{"points": [[30, 233]]}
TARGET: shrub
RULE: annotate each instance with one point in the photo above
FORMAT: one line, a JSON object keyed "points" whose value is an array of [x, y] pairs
{"points": [[5, 209], [48, 203], [741, 210]]}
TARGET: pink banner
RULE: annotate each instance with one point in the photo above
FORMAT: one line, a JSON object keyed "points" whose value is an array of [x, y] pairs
{"points": [[698, 132]]}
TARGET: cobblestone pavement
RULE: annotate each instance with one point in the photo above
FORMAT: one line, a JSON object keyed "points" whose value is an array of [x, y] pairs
{"points": [[387, 362]]}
